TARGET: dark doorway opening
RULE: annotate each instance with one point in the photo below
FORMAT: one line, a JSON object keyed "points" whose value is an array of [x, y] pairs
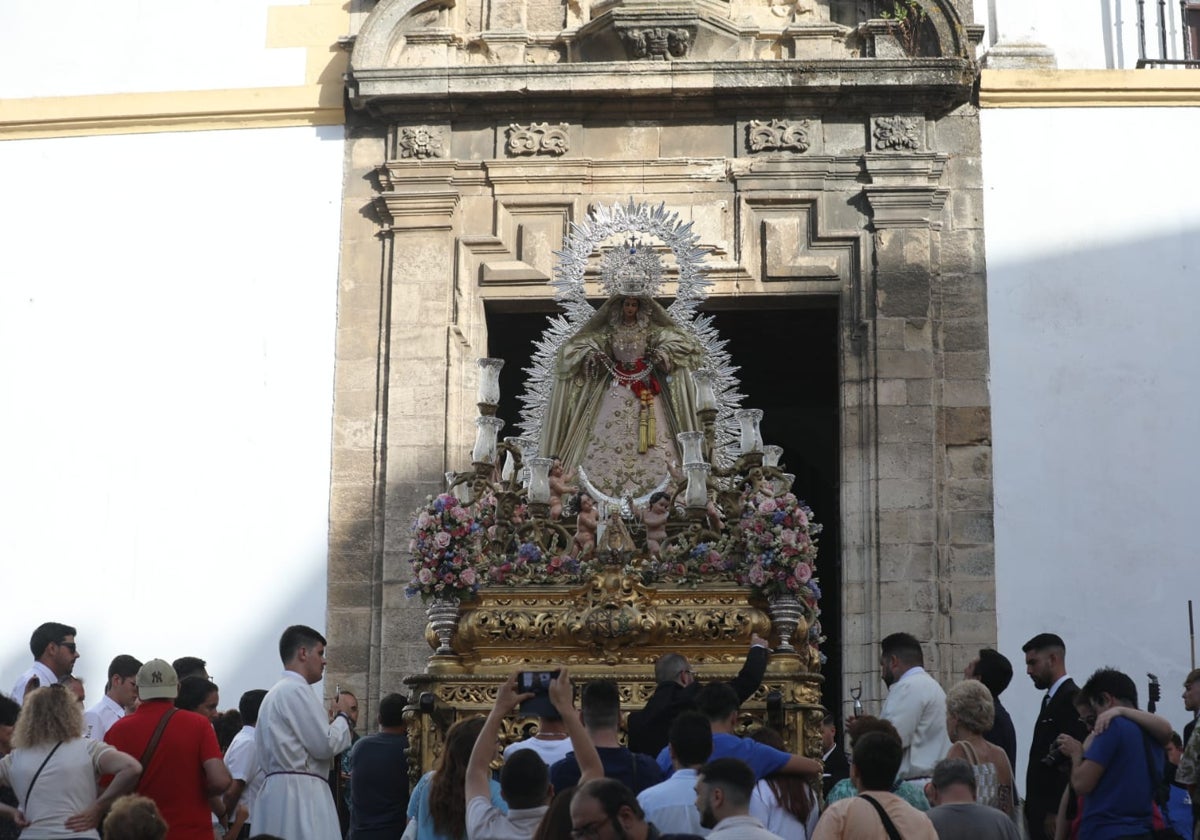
{"points": [[790, 368]]}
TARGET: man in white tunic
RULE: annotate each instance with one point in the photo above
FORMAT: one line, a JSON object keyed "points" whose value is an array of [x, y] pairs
{"points": [[296, 742]]}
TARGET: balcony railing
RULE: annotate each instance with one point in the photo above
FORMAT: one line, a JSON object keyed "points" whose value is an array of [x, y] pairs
{"points": [[1189, 31]]}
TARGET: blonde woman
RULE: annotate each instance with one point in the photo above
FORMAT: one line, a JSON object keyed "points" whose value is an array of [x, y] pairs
{"points": [[970, 713], [54, 770]]}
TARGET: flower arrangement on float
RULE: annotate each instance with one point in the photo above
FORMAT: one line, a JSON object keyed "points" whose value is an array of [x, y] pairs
{"points": [[778, 535], [770, 548], [447, 539]]}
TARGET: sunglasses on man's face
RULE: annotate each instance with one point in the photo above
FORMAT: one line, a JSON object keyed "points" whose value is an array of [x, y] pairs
{"points": [[68, 645]]}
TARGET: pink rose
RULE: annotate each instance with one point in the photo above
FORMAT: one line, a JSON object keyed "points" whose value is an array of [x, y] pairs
{"points": [[423, 519], [803, 572], [441, 539], [756, 575], [467, 577], [424, 577], [459, 513], [788, 536], [766, 506]]}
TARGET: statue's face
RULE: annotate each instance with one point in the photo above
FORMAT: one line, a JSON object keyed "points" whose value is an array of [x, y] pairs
{"points": [[586, 503], [629, 308]]}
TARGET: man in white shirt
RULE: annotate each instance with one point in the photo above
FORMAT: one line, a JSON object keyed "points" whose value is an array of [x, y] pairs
{"points": [[671, 805], [915, 705], [551, 741], [242, 760], [723, 789], [54, 654], [119, 692], [525, 779], [296, 743]]}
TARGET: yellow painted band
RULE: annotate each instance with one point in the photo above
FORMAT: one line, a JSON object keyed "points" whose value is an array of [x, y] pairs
{"points": [[140, 113], [1089, 88]]}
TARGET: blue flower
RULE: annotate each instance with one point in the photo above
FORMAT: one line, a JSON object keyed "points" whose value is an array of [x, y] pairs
{"points": [[816, 590]]}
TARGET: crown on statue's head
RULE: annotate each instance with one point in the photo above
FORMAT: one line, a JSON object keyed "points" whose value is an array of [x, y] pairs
{"points": [[632, 269]]}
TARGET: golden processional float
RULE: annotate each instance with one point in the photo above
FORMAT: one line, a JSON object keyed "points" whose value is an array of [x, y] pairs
{"points": [[638, 514]]}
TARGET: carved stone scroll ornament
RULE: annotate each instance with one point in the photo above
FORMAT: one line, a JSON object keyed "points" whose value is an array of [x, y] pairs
{"points": [[538, 138], [656, 42], [420, 142], [896, 133], [778, 136]]}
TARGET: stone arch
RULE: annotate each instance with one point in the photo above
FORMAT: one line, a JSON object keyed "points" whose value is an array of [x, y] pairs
{"points": [[383, 34]]}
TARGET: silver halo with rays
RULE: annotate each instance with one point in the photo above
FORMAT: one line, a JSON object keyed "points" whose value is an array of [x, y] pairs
{"points": [[639, 221]]}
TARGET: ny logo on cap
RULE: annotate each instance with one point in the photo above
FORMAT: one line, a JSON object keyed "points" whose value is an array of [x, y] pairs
{"points": [[156, 677]]}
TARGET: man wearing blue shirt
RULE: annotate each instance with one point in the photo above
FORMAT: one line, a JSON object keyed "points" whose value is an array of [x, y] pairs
{"points": [[1115, 771], [719, 703]]}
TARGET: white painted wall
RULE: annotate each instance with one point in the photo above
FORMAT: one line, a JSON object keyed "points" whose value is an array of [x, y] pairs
{"points": [[167, 318], [1093, 250], [1092, 35], [78, 47]]}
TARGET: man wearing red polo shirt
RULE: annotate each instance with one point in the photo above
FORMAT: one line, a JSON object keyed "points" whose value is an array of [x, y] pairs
{"points": [[179, 753]]}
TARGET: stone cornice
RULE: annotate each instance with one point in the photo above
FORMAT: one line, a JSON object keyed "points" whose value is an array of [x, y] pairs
{"points": [[1089, 88], [921, 83]]}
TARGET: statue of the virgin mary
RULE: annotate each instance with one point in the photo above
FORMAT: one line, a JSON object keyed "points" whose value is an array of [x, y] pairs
{"points": [[623, 388]]}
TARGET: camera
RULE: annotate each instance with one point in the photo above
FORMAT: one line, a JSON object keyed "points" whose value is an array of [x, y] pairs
{"points": [[1055, 757], [537, 682]]}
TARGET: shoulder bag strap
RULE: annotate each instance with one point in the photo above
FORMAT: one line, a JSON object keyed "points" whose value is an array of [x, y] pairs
{"points": [[148, 753], [888, 825], [46, 761], [972, 757]]}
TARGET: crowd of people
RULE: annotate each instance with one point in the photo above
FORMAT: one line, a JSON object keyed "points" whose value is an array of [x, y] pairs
{"points": [[153, 758]]}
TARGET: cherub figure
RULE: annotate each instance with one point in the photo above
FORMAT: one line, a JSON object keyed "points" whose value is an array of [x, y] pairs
{"points": [[585, 526], [560, 485], [654, 516]]}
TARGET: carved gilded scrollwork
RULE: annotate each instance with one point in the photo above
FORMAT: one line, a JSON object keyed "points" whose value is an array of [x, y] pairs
{"points": [[538, 138], [612, 627], [778, 135], [897, 133]]}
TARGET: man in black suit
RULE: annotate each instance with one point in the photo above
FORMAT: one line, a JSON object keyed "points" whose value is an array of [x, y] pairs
{"points": [[833, 756], [1046, 778], [677, 690], [993, 669]]}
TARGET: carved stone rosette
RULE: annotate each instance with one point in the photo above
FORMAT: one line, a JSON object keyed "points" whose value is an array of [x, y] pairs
{"points": [[778, 136], [420, 142], [611, 627], [538, 138], [896, 134]]}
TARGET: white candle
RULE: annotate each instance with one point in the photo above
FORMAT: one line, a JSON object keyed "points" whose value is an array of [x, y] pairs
{"points": [[489, 381], [690, 443], [485, 439], [706, 396], [748, 420], [539, 480], [696, 494], [771, 455]]}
